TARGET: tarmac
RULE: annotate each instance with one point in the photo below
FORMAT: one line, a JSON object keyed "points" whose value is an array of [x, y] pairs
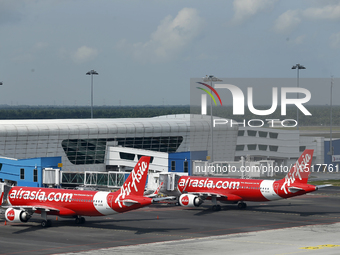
{"points": [[314, 239], [276, 227]]}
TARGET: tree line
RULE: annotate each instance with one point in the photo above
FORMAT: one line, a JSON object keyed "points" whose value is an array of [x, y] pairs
{"points": [[320, 114]]}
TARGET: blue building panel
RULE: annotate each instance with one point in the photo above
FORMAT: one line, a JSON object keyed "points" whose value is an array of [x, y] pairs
{"points": [[180, 162], [336, 146], [26, 172]]}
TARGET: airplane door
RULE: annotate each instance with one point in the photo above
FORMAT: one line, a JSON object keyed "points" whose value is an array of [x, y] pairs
{"points": [[276, 188], [110, 199]]}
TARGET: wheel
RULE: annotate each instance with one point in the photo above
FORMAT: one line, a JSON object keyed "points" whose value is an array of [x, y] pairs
{"points": [[44, 224], [78, 220], [49, 223], [241, 205], [82, 220], [216, 208]]}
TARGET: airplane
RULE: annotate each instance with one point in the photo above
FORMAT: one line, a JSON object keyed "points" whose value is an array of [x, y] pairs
{"points": [[194, 190], [22, 202], [155, 193]]}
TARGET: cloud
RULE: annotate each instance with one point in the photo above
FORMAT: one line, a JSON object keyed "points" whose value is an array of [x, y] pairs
{"points": [[170, 38], [287, 21], [328, 12], [245, 9], [298, 40], [84, 54]]}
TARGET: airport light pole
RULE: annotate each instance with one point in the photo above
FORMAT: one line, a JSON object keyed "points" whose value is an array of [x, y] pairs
{"points": [[212, 79], [331, 123], [298, 67], [92, 72]]}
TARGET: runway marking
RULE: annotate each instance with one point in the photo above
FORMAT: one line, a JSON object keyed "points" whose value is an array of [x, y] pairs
{"points": [[320, 246]]}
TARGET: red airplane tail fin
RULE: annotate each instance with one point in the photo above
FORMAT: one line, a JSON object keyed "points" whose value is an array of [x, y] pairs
{"points": [[135, 183], [1, 196], [301, 169]]}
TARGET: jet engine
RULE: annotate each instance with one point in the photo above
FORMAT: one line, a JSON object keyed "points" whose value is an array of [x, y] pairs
{"points": [[17, 216], [190, 200]]}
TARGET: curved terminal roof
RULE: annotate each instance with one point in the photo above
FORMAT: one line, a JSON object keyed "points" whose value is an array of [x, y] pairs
{"points": [[167, 123]]}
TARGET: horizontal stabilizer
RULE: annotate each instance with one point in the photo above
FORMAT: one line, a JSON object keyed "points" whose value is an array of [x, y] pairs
{"points": [[323, 186], [295, 189], [128, 202]]}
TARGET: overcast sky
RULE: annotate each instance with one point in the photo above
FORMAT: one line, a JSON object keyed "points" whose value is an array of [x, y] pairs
{"points": [[146, 51]]}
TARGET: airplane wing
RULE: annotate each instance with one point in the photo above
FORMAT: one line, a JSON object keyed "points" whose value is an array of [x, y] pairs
{"points": [[158, 199], [62, 211], [155, 193], [32, 207], [229, 197]]}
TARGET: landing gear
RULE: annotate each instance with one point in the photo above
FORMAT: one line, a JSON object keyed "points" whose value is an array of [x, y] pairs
{"points": [[242, 205], [216, 208], [46, 223], [80, 220]]}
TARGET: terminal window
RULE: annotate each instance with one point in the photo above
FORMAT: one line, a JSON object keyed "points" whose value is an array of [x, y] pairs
{"points": [[251, 132], [35, 175], [185, 166], [263, 147], [273, 148], [251, 147], [173, 165], [239, 147], [92, 151], [273, 135], [240, 133], [263, 134], [22, 173], [302, 148]]}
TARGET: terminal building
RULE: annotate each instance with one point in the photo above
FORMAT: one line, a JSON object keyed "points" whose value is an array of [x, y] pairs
{"points": [[102, 152]]}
